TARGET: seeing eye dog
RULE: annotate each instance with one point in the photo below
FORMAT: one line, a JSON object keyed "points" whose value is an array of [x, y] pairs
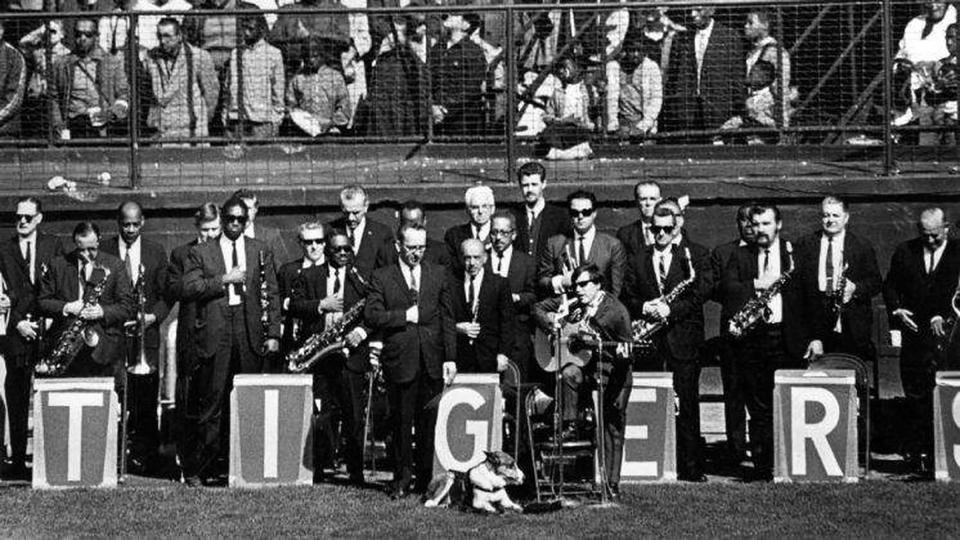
{"points": [[480, 488]]}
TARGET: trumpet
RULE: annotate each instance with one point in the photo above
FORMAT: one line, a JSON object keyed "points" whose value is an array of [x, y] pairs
{"points": [[142, 367]]}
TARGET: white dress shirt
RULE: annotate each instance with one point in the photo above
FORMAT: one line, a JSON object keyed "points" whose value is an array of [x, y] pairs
{"points": [[358, 235], [501, 261], [773, 269], [31, 257], [476, 289], [332, 275], [837, 260], [415, 272], [572, 252], [936, 254], [666, 255], [226, 249], [482, 233], [133, 252]]}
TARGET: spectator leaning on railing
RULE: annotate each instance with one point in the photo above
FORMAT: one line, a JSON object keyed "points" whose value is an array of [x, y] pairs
{"points": [[184, 85], [90, 87], [13, 84], [260, 103], [765, 47]]}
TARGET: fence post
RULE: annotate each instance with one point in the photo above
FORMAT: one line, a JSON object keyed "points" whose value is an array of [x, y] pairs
{"points": [[133, 113], [888, 165], [510, 85]]}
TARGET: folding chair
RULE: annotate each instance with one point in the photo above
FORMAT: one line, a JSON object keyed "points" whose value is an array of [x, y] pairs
{"points": [[862, 377]]}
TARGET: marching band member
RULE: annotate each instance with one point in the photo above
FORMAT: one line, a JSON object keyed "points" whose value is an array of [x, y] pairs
{"points": [[312, 241], [483, 309], [409, 304], [520, 271], [228, 284], [95, 287], [918, 292], [595, 314], [32, 251], [370, 239], [780, 339], [134, 250], [664, 286], [319, 298]]}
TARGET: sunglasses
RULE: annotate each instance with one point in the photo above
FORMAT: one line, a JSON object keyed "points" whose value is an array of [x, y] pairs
{"points": [[580, 284], [312, 241], [26, 217], [655, 229], [86, 34], [581, 213], [341, 249], [238, 219]]}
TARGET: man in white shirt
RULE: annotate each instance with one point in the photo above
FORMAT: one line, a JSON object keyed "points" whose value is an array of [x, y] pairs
{"points": [[480, 206]]}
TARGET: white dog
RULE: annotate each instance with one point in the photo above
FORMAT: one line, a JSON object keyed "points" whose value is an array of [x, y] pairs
{"points": [[482, 487]]}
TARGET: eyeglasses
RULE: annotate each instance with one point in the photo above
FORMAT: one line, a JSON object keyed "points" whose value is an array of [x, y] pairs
{"points": [[312, 241], [27, 217], [238, 219], [88, 34], [501, 232], [341, 249], [415, 248], [581, 213], [656, 229]]}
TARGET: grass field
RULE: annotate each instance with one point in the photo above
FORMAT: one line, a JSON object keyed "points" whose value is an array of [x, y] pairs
{"points": [[868, 509]]}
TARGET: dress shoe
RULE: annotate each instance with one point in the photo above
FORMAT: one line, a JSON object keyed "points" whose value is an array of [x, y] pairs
{"points": [[571, 432], [613, 491], [399, 493], [693, 477], [192, 481], [15, 470], [357, 479]]}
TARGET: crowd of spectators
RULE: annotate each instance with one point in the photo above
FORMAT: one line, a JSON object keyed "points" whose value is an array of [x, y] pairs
{"points": [[268, 68]]}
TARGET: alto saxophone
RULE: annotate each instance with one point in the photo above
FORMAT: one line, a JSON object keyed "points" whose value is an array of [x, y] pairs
{"points": [[643, 329], [75, 336], [332, 339], [950, 325], [757, 307]]}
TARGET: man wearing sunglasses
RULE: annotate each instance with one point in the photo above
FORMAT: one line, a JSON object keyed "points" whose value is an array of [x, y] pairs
{"points": [[310, 236], [586, 245], [90, 87], [320, 296], [600, 316], [654, 272], [223, 278]]}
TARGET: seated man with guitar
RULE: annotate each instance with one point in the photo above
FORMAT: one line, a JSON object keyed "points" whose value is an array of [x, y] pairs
{"points": [[594, 317]]}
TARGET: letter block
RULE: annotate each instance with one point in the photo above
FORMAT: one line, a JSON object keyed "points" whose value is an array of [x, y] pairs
{"points": [[270, 430], [946, 426], [75, 433], [815, 426], [650, 436], [469, 422]]}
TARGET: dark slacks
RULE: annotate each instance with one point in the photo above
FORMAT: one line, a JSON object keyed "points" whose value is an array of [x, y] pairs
{"points": [[408, 407], [342, 400], [734, 408], [918, 368], [18, 385], [760, 354], [686, 385], [142, 422]]}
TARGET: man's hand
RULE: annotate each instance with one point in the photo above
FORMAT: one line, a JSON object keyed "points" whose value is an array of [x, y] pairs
{"points": [[375, 349], [848, 291], [331, 303], [272, 345], [764, 281], [515, 297], [906, 317], [438, 113], [235, 275], [650, 308], [413, 315], [28, 329], [449, 372], [814, 349], [148, 319], [469, 329], [73, 308], [4, 303], [502, 363], [355, 337], [92, 313], [936, 326]]}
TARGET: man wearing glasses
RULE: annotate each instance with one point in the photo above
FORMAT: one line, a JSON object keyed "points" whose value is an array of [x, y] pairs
{"points": [[480, 206], [596, 314], [312, 242], [223, 279], [520, 270], [410, 304], [654, 272], [320, 296], [587, 245]]}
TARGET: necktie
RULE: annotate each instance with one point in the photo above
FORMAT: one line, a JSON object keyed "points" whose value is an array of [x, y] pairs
{"points": [[235, 261], [766, 261], [128, 261], [500, 263], [336, 281], [471, 294], [829, 266], [82, 279], [928, 255], [647, 235], [28, 257], [350, 236], [581, 254], [662, 271], [414, 289]]}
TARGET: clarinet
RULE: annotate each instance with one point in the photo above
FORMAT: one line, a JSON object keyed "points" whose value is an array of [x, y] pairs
{"points": [[264, 301]]}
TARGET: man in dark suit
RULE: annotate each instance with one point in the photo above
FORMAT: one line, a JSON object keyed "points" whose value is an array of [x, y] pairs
{"points": [[520, 270], [33, 252], [480, 206], [410, 305], [537, 220], [254, 229], [368, 237], [918, 292], [136, 251], [17, 299], [655, 272], [781, 340], [412, 213], [637, 235], [312, 243], [223, 278], [734, 408], [587, 245], [704, 84], [607, 317], [207, 223], [72, 281], [483, 309], [839, 275], [319, 299]]}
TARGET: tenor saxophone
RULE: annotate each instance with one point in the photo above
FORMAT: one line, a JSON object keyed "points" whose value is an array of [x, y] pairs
{"points": [[757, 307], [75, 336], [643, 329]]}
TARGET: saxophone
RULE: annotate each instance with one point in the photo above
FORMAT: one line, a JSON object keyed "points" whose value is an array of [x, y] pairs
{"points": [[75, 336], [644, 329], [330, 340], [950, 326], [757, 307]]}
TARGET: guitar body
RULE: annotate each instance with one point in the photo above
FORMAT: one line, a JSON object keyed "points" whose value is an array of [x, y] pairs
{"points": [[572, 348]]}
